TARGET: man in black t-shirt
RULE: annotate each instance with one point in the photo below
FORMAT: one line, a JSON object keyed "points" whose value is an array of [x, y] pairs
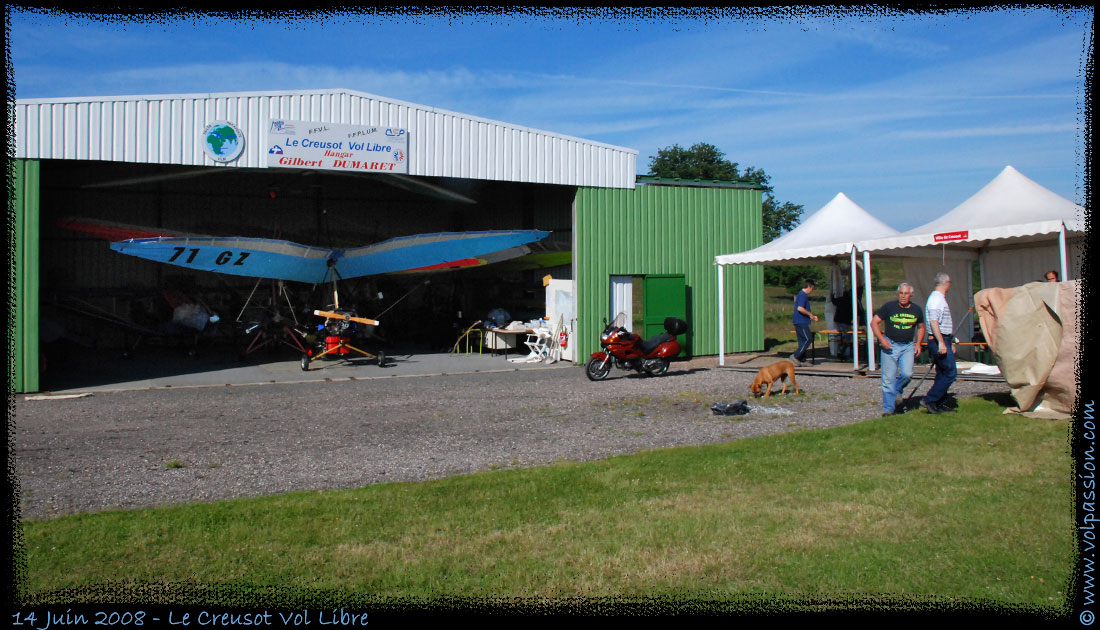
{"points": [[901, 319]]}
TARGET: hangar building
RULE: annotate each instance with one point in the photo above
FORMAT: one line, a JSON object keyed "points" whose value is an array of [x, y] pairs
{"points": [[90, 170]]}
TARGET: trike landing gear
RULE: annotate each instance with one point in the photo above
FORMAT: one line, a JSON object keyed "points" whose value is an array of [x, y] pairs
{"points": [[342, 348]]}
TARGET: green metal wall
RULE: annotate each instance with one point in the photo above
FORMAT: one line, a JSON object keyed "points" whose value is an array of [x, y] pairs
{"points": [[666, 230], [23, 309]]}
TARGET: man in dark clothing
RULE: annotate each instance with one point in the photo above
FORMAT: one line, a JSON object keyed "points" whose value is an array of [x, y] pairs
{"points": [[801, 319], [842, 318], [901, 319]]}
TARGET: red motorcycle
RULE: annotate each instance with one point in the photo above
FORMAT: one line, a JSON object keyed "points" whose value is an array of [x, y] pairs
{"points": [[627, 351]]}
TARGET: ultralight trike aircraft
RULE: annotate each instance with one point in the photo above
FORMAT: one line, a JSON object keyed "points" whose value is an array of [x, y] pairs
{"points": [[283, 260]]}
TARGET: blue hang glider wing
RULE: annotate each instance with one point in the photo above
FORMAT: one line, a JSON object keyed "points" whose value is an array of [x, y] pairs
{"points": [[283, 260], [254, 257], [423, 250]]}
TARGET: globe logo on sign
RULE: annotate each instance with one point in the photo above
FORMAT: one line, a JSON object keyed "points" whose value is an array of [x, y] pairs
{"points": [[223, 141]]}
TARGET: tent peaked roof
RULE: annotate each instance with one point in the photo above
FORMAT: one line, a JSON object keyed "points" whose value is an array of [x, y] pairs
{"points": [[1010, 198], [1011, 207], [827, 233]]}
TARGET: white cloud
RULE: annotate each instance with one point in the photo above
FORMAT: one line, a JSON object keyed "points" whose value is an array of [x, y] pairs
{"points": [[885, 36], [890, 103], [977, 132]]}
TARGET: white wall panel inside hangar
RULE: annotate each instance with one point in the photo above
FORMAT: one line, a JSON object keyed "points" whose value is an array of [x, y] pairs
{"points": [[164, 129]]}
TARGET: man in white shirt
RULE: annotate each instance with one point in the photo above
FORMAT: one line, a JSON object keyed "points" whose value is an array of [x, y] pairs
{"points": [[937, 316]]}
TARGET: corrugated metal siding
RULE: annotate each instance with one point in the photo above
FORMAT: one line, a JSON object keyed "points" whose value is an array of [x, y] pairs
{"points": [[164, 129], [666, 229], [23, 243]]}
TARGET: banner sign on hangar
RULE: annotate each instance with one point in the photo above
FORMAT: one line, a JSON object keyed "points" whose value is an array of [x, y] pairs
{"points": [[311, 144]]}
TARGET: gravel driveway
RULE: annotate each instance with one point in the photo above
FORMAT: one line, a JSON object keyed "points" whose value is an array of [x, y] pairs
{"points": [[168, 446]]}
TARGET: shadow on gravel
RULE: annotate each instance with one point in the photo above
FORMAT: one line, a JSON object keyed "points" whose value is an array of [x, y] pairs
{"points": [[688, 371], [671, 372]]}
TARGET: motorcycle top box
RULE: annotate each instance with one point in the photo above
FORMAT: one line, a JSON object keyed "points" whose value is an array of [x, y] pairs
{"points": [[675, 326]]}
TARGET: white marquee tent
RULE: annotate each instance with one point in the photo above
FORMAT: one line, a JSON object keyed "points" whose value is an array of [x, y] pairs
{"points": [[1015, 228], [826, 235], [1011, 225]]}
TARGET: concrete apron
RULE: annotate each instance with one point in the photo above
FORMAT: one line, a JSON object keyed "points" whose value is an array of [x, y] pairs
{"points": [[165, 368], [169, 368]]}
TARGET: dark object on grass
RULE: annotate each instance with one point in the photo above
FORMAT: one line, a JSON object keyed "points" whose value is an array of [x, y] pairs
{"points": [[738, 408]]}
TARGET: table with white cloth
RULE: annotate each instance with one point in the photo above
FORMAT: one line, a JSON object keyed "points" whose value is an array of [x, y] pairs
{"points": [[504, 338]]}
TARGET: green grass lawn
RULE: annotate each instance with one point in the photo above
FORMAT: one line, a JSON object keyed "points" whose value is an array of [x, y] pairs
{"points": [[971, 506]]}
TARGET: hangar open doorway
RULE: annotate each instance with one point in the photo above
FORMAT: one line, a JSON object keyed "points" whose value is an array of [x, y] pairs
{"points": [[88, 293]]}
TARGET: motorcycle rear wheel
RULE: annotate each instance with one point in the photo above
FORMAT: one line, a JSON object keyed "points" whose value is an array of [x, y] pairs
{"points": [[657, 368], [596, 369]]}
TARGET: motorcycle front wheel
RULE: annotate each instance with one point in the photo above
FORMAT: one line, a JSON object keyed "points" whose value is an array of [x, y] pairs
{"points": [[596, 369], [657, 368]]}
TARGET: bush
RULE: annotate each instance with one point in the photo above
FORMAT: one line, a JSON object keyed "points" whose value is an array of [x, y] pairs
{"points": [[792, 277]]}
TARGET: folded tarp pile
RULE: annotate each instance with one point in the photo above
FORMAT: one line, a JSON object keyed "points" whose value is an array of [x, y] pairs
{"points": [[1034, 333]]}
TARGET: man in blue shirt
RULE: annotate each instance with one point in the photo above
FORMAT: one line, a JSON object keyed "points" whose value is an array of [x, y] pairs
{"points": [[801, 319]]}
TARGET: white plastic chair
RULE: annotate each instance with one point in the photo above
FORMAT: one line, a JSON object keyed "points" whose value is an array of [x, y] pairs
{"points": [[539, 343]]}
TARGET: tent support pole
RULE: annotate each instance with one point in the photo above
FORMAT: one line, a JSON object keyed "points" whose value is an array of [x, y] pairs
{"points": [[983, 255], [1062, 252], [855, 306], [867, 299], [721, 318], [970, 302]]}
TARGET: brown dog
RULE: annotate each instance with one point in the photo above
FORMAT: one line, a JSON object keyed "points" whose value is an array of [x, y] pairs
{"points": [[769, 374]]}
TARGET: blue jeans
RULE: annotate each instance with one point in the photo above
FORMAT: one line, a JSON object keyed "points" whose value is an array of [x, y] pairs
{"points": [[897, 370], [804, 338], [945, 372]]}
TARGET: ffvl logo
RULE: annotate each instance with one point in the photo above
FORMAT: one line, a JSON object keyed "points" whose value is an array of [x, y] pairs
{"points": [[281, 126]]}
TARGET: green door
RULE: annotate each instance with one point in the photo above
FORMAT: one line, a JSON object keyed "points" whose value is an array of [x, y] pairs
{"points": [[665, 295]]}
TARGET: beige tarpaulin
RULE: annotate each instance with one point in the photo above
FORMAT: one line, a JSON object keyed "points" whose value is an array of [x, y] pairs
{"points": [[1034, 335]]}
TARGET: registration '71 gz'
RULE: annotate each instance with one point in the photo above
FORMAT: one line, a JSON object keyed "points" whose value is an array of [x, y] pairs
{"points": [[223, 258]]}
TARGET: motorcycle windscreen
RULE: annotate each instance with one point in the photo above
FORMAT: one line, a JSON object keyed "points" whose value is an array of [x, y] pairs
{"points": [[253, 257], [425, 250]]}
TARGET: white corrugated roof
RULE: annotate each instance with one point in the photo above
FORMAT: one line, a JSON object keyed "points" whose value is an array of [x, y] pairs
{"points": [[164, 129]]}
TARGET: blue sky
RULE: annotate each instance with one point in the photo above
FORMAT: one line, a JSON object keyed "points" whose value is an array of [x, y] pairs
{"points": [[908, 115]]}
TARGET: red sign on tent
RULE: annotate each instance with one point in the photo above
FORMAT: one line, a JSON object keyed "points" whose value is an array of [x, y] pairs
{"points": [[952, 236]]}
